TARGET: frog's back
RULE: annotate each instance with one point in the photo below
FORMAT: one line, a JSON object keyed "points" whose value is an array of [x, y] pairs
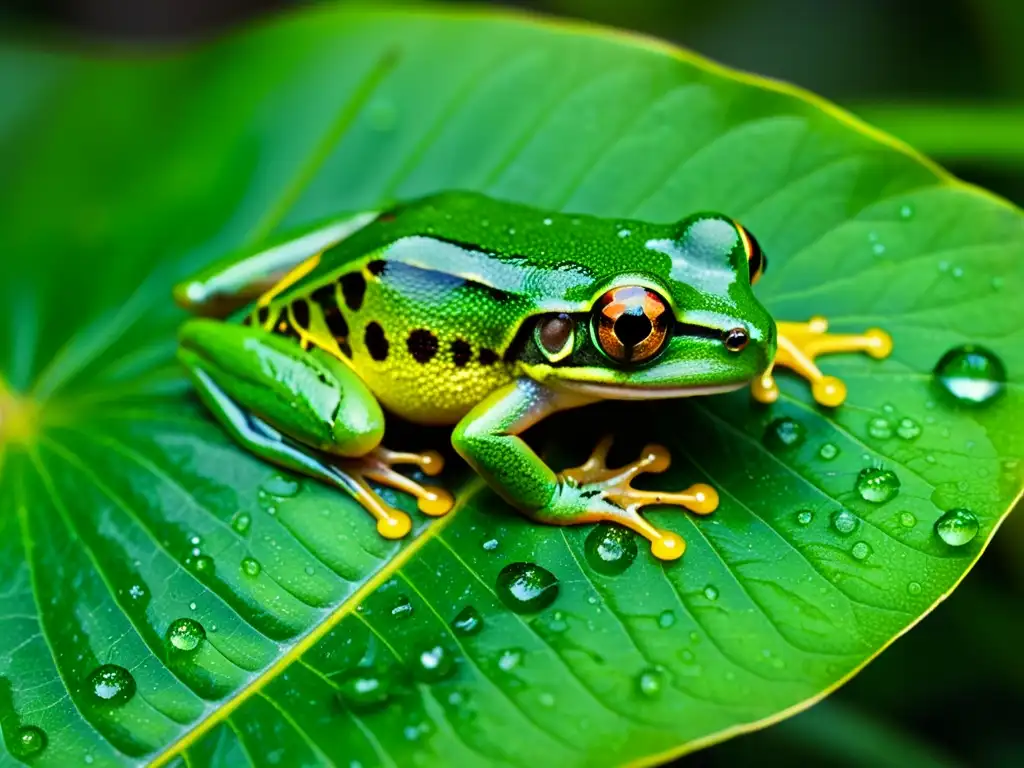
{"points": [[427, 302]]}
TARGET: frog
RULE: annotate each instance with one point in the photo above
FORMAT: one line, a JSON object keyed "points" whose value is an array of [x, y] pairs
{"points": [[487, 316]]}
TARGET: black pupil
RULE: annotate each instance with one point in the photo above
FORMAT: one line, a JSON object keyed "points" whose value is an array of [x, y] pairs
{"points": [[632, 329], [736, 339], [756, 257]]}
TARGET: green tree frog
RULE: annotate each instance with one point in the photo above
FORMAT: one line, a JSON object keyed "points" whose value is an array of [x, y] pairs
{"points": [[458, 309]]}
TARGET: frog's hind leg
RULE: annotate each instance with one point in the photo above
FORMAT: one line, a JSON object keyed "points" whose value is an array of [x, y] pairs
{"points": [[801, 343], [615, 486]]}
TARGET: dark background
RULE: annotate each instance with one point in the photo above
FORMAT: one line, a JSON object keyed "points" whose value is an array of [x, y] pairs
{"points": [[946, 75]]}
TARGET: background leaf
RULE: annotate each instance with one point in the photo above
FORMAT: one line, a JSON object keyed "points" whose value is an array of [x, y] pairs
{"points": [[125, 174]]}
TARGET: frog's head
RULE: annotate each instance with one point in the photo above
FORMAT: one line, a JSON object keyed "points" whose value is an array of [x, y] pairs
{"points": [[680, 319]]}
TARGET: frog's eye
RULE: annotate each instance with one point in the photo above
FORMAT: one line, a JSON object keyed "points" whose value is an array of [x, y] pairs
{"points": [[755, 256], [554, 335], [631, 323]]}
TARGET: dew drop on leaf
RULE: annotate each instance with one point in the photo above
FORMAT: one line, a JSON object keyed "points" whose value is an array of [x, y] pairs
{"points": [[844, 521], [251, 567], [908, 429], [185, 635], [957, 527], [784, 433], [650, 682], [509, 659], [914, 588], [861, 550], [28, 741], [666, 619], [906, 211], [828, 451], [972, 375], [242, 523], [804, 517], [711, 592], [468, 622], [110, 684], [489, 545], [204, 566], [433, 664], [610, 549], [880, 428], [362, 689], [280, 486], [907, 519], [526, 587], [877, 485]]}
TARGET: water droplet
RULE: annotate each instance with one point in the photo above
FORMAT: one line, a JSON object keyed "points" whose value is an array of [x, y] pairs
{"points": [[280, 486], [914, 588], [804, 516], [548, 222], [784, 433], [877, 485], [880, 428], [907, 519], [650, 682], [203, 565], [185, 634], [908, 429], [490, 545], [844, 521], [111, 685], [192, 606], [137, 591], [971, 374], [29, 741], [610, 549], [251, 567], [433, 664], [468, 622], [957, 527], [526, 588], [545, 699], [906, 211], [510, 659], [711, 592], [878, 249], [242, 523], [666, 619], [402, 608], [362, 689], [624, 233], [861, 550], [828, 451]]}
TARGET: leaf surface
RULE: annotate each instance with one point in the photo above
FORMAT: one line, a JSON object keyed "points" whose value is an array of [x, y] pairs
{"points": [[123, 508]]}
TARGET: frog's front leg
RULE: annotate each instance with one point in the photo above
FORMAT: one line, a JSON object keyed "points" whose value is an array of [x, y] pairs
{"points": [[306, 411], [801, 343], [488, 438]]}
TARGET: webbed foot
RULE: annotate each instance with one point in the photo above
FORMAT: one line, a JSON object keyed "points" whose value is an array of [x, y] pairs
{"points": [[801, 343], [378, 467], [593, 493]]}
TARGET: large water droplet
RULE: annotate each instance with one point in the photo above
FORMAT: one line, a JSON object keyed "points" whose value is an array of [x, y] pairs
{"points": [[650, 682], [880, 428], [526, 587], [861, 550], [610, 549], [28, 741], [666, 619], [914, 588], [402, 608], [907, 519], [110, 684], [280, 486], [844, 521], [433, 664], [877, 485], [971, 374], [251, 567], [363, 689], [242, 523], [784, 433], [468, 622], [957, 527], [185, 635]]}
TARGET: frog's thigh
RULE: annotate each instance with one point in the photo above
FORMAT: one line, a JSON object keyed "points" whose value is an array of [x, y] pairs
{"points": [[308, 395]]}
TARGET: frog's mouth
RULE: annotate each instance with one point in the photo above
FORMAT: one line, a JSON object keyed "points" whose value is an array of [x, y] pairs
{"points": [[625, 392]]}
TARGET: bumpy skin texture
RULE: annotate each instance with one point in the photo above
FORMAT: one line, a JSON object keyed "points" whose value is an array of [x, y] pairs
{"points": [[460, 308]]}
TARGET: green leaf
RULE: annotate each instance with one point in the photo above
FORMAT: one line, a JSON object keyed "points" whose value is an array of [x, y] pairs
{"points": [[124, 509]]}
